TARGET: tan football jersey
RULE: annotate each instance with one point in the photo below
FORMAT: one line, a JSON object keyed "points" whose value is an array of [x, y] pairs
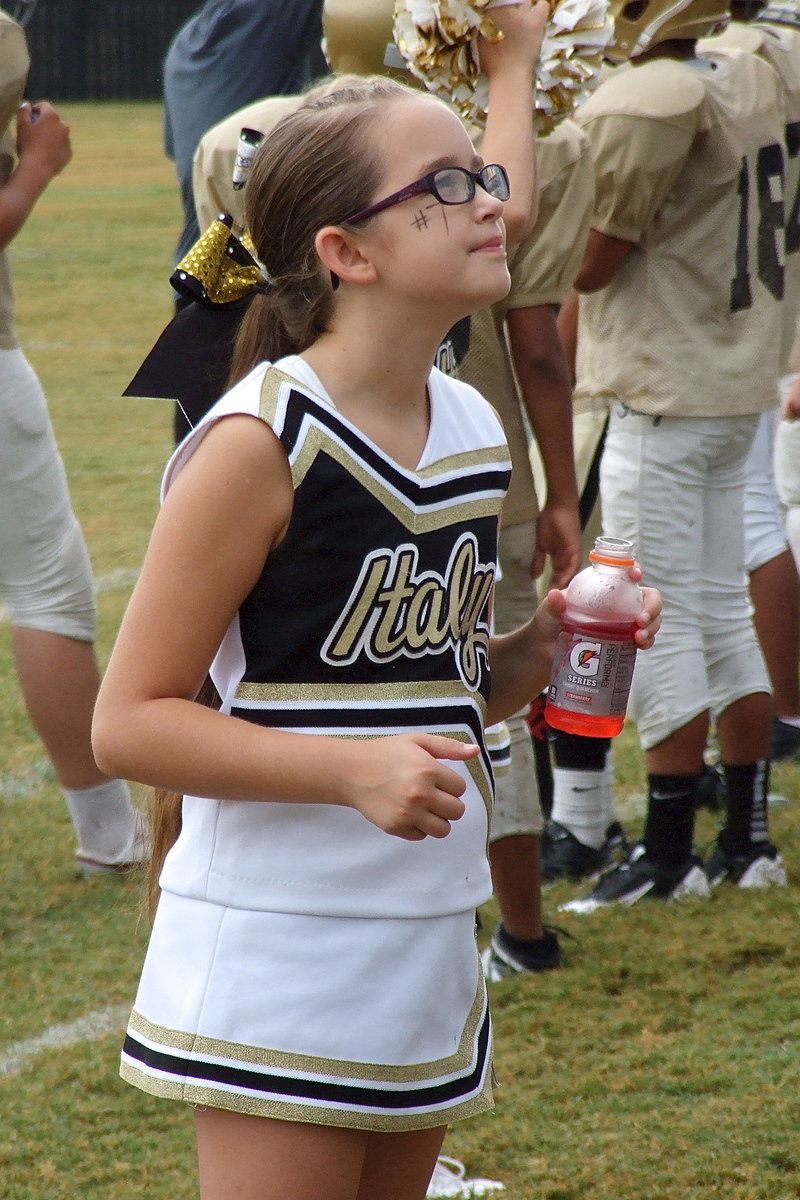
{"points": [[542, 268], [779, 45], [14, 63], [214, 159], [688, 167]]}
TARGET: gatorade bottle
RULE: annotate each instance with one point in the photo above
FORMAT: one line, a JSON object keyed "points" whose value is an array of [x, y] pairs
{"points": [[595, 649]]}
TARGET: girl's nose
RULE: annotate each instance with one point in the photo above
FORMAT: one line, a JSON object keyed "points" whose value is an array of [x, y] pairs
{"points": [[488, 207]]}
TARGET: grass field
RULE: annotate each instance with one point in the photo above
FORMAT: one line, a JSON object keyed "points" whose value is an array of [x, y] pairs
{"points": [[661, 1062]]}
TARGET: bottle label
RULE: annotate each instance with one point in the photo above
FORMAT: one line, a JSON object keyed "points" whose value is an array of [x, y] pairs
{"points": [[591, 675]]}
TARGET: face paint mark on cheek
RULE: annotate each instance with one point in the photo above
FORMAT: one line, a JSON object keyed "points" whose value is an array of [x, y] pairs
{"points": [[420, 221]]}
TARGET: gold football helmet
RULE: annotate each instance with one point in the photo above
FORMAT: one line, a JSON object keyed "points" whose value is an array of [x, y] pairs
{"points": [[641, 24], [781, 12], [359, 38]]}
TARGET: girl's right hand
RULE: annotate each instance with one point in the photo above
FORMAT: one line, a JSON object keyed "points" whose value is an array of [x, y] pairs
{"points": [[402, 785]]}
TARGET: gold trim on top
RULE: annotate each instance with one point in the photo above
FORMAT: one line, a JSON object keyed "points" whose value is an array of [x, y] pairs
{"points": [[486, 456], [496, 455], [271, 385], [351, 693], [318, 439]]}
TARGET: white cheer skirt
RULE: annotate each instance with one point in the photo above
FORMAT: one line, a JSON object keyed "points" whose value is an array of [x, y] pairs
{"points": [[378, 1024]]}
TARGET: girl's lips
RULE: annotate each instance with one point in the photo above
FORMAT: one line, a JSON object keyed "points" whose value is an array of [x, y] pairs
{"points": [[492, 243]]}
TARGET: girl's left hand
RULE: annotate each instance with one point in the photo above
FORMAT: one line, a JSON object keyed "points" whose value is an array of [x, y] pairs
{"points": [[650, 616], [649, 619], [524, 28]]}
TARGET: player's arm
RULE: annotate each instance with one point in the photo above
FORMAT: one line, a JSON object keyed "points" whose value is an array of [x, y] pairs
{"points": [[567, 325], [43, 147], [509, 138], [544, 382], [603, 258]]}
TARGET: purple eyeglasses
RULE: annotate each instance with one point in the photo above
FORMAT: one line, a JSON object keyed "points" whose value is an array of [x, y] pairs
{"points": [[450, 185]]}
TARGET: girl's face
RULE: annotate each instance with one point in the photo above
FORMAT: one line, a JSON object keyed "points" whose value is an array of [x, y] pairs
{"points": [[450, 255]]}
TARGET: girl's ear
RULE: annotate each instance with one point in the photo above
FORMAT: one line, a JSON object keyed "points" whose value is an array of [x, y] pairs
{"points": [[340, 252]]}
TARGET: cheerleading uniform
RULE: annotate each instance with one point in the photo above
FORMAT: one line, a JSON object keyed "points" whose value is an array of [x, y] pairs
{"points": [[294, 969]]}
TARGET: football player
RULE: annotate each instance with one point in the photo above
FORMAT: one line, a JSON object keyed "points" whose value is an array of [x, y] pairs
{"points": [[684, 268], [774, 34]]}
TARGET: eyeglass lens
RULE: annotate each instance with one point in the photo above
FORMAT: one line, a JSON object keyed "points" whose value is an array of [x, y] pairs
{"points": [[454, 185]]}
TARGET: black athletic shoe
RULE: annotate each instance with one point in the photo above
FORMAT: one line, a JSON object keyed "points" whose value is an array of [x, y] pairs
{"points": [[639, 877], [618, 845], [506, 955], [761, 867], [564, 857], [784, 741]]}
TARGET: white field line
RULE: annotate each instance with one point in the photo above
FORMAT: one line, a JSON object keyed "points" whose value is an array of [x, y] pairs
{"points": [[121, 577], [20, 1055]]}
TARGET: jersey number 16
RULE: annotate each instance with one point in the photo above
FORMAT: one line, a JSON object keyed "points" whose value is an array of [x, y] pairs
{"points": [[776, 237]]}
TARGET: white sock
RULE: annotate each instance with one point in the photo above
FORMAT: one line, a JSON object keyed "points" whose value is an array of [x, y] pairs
{"points": [[609, 811], [583, 802], [107, 823]]}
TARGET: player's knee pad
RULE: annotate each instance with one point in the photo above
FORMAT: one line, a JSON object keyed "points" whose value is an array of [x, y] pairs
{"points": [[517, 808], [669, 689], [61, 598], [736, 668]]}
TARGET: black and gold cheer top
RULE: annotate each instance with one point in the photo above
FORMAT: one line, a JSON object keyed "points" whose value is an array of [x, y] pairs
{"points": [[370, 618]]}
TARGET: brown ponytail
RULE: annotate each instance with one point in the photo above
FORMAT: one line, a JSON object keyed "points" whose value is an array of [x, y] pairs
{"points": [[315, 168]]}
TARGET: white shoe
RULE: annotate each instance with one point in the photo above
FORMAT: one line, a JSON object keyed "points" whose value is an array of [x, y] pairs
{"points": [[448, 1180]]}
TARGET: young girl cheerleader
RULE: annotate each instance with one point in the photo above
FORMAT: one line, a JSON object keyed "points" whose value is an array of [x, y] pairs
{"points": [[326, 548]]}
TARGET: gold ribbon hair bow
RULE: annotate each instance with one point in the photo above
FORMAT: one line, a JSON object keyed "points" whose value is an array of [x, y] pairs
{"points": [[220, 268]]}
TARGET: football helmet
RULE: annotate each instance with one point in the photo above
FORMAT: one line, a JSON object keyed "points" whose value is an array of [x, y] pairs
{"points": [[747, 10], [20, 10], [359, 38], [641, 24], [781, 12]]}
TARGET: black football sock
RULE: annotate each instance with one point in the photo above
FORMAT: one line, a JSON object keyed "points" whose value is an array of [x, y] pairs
{"points": [[580, 753], [746, 787], [669, 827]]}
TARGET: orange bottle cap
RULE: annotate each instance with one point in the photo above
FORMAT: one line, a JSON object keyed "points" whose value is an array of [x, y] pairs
{"points": [[612, 561]]}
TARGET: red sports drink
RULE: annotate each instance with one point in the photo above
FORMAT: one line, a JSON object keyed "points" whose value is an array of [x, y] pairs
{"points": [[595, 649]]}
